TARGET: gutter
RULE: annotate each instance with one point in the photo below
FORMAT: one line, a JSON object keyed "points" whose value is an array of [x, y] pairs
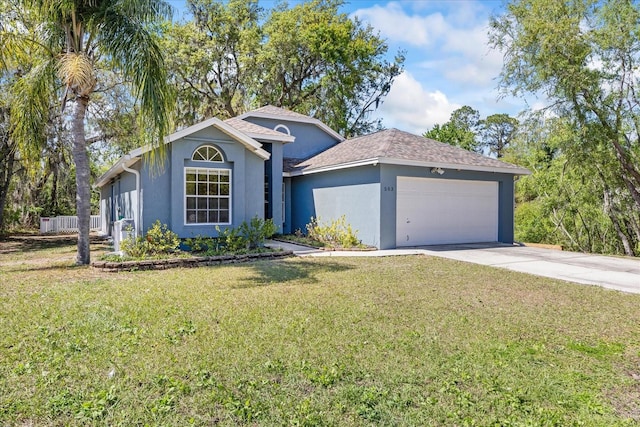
{"points": [[404, 162], [139, 199]]}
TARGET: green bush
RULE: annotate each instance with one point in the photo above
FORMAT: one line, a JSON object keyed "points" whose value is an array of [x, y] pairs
{"points": [[337, 233], [249, 235], [532, 224], [257, 231], [159, 240], [233, 240], [200, 244], [135, 247]]}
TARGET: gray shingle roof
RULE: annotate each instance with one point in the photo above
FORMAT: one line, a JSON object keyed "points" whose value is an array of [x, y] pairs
{"points": [[247, 127], [290, 165], [277, 111], [394, 144]]}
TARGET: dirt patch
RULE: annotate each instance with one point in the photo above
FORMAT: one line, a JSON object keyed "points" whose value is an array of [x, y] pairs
{"points": [[544, 246], [626, 398], [626, 402]]}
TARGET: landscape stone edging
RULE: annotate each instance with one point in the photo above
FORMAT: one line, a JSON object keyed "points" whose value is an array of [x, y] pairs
{"points": [[163, 264]]}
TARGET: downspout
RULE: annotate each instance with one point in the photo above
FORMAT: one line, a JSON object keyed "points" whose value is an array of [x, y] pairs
{"points": [[138, 206]]}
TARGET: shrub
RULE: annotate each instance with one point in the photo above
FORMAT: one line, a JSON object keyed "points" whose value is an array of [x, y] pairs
{"points": [[249, 235], [200, 244], [135, 247], [158, 240], [257, 231], [161, 240], [336, 233], [233, 240]]}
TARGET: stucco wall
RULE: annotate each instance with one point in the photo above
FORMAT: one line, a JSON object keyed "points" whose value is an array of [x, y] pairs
{"points": [[353, 192], [286, 228], [310, 139], [156, 193], [162, 195], [276, 185], [247, 178]]}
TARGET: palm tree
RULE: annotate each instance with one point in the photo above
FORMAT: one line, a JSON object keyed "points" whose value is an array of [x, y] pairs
{"points": [[67, 42]]}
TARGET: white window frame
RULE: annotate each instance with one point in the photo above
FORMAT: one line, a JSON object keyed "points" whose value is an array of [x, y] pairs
{"points": [[196, 170], [208, 147]]}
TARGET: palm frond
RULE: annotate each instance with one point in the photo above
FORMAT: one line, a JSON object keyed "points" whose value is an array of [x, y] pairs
{"points": [[31, 97], [146, 11], [134, 50]]}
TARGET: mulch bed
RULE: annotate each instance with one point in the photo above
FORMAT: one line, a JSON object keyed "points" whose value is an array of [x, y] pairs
{"points": [[327, 248], [163, 264]]}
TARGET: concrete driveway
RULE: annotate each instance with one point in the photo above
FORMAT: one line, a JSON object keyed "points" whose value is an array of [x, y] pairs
{"points": [[619, 273]]}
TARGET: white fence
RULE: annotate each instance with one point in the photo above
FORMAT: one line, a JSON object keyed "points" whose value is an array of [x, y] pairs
{"points": [[66, 224]]}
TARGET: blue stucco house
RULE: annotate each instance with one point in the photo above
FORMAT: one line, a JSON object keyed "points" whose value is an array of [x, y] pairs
{"points": [[395, 188]]}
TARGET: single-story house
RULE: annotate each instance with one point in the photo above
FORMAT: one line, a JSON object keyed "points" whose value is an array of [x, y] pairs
{"points": [[395, 188]]}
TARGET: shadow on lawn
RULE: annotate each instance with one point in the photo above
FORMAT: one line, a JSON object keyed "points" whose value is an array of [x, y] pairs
{"points": [[34, 242], [57, 266], [45, 253], [280, 272], [39, 242]]}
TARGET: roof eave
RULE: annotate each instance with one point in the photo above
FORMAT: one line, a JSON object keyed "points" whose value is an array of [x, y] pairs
{"points": [[365, 162], [118, 168], [243, 138], [272, 138], [403, 162], [455, 166]]}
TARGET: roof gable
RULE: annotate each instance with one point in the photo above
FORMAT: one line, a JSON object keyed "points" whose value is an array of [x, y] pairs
{"points": [[277, 113], [393, 146], [249, 143], [258, 132], [135, 155]]}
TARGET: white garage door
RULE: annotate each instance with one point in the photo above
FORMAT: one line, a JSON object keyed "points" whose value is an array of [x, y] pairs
{"points": [[440, 211]]}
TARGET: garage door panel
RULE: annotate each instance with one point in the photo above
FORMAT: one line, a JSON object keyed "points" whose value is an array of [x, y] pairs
{"points": [[438, 211]]}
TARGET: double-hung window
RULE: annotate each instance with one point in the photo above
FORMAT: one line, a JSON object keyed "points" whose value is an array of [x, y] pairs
{"points": [[208, 196]]}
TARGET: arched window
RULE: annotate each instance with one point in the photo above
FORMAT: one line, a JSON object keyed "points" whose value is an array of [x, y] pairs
{"points": [[207, 153], [282, 128]]}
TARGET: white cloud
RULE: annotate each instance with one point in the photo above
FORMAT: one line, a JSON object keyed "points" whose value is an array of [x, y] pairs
{"points": [[449, 61], [394, 24], [476, 63], [411, 107], [454, 45]]}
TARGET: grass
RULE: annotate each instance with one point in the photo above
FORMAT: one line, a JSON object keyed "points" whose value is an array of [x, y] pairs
{"points": [[311, 341]]}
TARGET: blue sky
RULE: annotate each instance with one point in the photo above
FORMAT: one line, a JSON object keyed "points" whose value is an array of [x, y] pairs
{"points": [[448, 62]]}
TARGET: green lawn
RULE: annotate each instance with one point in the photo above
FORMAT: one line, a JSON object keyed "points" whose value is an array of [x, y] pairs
{"points": [[324, 341]]}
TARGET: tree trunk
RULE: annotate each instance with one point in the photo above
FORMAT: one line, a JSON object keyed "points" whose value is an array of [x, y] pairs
{"points": [[611, 211], [83, 192], [5, 179]]}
